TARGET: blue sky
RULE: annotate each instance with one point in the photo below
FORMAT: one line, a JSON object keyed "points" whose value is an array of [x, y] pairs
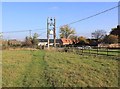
{"points": [[18, 16]]}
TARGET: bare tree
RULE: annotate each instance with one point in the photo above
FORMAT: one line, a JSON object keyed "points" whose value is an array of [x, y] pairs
{"points": [[28, 41], [98, 34], [32, 41]]}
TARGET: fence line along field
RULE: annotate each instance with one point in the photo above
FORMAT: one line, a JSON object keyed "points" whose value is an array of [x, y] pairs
{"points": [[58, 69]]}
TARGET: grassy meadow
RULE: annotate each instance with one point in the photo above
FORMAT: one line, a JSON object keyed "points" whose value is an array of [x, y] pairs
{"points": [[57, 69]]}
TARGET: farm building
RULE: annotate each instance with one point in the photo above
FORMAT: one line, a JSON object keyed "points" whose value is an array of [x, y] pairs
{"points": [[59, 42], [66, 41]]}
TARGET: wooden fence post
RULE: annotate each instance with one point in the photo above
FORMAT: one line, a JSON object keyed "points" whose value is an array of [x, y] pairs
{"points": [[107, 51], [97, 50], [89, 50]]}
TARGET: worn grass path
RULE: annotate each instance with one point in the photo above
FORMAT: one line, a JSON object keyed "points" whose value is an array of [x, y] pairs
{"points": [[34, 74], [57, 69], [27, 71]]}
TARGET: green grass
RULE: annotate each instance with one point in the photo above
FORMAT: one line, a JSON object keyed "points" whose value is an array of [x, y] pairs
{"points": [[23, 68], [75, 70], [58, 69]]}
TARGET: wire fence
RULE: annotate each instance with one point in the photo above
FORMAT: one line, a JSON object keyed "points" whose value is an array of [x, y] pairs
{"points": [[94, 50], [107, 51]]}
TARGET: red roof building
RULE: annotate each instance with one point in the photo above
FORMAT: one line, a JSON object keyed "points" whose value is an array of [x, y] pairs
{"points": [[66, 41]]}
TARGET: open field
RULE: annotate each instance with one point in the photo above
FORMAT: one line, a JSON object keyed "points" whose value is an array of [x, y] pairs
{"points": [[57, 69]]}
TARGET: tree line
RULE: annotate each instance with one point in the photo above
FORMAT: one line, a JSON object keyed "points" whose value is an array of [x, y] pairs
{"points": [[99, 36]]}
